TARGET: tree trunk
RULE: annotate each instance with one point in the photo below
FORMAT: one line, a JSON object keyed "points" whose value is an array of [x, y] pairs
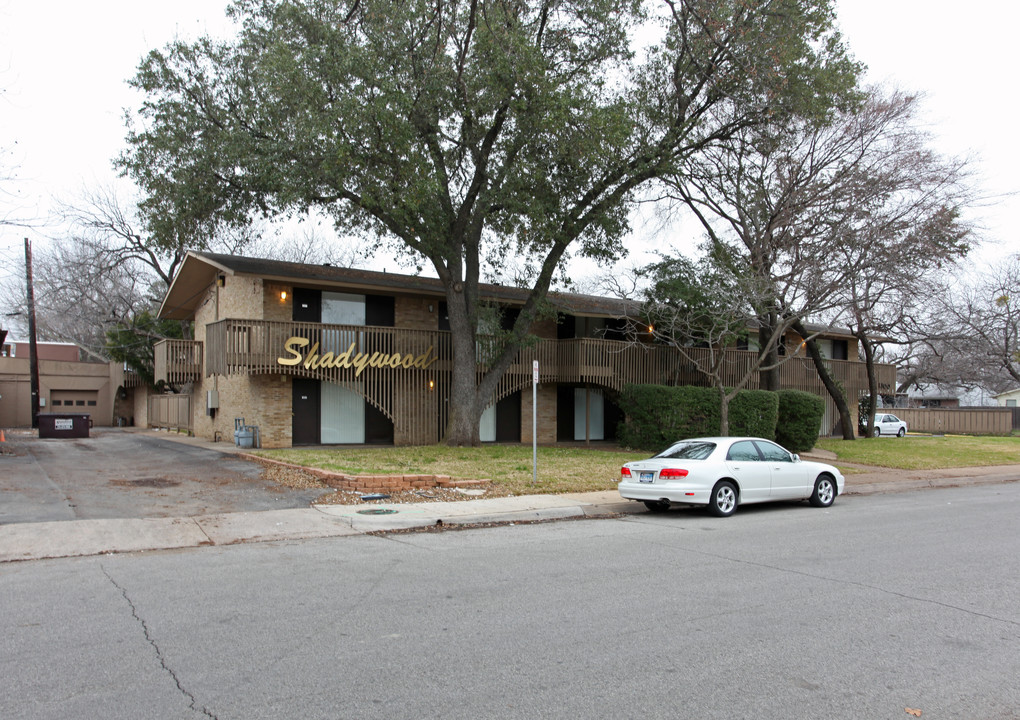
{"points": [[869, 363], [463, 403], [835, 392], [768, 377], [724, 413]]}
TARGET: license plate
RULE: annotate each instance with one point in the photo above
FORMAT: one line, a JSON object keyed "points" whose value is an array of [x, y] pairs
{"points": [[647, 477]]}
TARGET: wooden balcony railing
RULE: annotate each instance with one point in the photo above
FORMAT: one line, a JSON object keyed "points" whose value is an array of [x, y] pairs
{"points": [[177, 361], [255, 347]]}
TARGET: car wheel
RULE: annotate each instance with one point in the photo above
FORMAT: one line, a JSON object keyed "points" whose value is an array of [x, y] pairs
{"points": [[825, 491], [876, 431], [902, 432], [656, 505], [723, 502]]}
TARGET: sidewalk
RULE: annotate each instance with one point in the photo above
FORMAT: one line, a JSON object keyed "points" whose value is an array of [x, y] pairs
{"points": [[34, 541]]}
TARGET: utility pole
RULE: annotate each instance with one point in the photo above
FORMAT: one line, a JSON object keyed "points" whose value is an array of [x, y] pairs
{"points": [[33, 351]]}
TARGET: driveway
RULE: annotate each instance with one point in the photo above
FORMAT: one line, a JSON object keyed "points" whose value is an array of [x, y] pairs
{"points": [[123, 474]]}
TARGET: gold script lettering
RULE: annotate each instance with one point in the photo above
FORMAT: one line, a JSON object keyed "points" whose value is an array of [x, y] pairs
{"points": [[349, 359], [289, 346]]}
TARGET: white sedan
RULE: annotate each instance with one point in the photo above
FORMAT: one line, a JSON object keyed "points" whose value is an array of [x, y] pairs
{"points": [[888, 424], [724, 472]]}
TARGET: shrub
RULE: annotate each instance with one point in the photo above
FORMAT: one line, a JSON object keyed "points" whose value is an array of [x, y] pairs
{"points": [[800, 417], [657, 415], [754, 413]]}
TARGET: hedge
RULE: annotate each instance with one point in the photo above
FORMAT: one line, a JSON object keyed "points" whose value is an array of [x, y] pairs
{"points": [[800, 418], [754, 413], [657, 415]]}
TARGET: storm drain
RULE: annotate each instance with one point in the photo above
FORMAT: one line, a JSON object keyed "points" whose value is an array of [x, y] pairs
{"points": [[377, 511]]}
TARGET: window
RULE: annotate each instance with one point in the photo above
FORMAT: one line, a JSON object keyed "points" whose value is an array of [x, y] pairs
{"points": [[840, 350], [1011, 403], [743, 451], [688, 451], [91, 403], [773, 453], [78, 402]]}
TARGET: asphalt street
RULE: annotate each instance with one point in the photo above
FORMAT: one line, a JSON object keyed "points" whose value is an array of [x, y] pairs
{"points": [[876, 606]]}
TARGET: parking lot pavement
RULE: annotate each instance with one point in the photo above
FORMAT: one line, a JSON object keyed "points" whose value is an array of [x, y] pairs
{"points": [[123, 474]]}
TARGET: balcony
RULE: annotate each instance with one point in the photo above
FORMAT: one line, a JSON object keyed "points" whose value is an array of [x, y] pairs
{"points": [[177, 361], [255, 347]]}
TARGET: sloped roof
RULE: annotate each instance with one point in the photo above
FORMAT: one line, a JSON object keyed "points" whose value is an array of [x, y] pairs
{"points": [[199, 270]]}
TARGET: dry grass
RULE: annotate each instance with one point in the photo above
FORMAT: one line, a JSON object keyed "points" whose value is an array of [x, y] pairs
{"points": [[508, 467]]}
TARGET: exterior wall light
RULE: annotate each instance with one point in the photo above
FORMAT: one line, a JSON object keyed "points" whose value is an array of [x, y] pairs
{"points": [[283, 295], [651, 328], [432, 385]]}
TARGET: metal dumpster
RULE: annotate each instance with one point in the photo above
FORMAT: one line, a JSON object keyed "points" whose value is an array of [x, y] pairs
{"points": [[64, 425]]}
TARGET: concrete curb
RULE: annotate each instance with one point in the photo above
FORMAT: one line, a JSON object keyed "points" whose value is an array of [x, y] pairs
{"points": [[80, 538]]}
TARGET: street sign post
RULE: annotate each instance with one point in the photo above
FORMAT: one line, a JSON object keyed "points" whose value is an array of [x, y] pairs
{"points": [[534, 423]]}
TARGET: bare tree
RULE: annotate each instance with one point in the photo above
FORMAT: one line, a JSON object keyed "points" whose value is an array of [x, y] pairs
{"points": [[109, 275], [836, 214], [974, 330]]}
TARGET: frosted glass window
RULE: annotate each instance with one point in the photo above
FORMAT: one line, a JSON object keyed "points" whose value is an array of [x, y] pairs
{"points": [[487, 424], [341, 309], [342, 415], [596, 415]]}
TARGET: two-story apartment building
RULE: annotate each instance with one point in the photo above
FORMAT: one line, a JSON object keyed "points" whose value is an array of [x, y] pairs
{"points": [[324, 355]]}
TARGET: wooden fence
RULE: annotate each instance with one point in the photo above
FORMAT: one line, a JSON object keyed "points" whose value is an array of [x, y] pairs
{"points": [[170, 412], [177, 361], [969, 421]]}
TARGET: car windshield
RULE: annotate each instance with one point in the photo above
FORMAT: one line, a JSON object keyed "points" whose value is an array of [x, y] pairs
{"points": [[688, 451]]}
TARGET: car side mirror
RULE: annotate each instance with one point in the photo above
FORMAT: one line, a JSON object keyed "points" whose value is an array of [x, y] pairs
{"points": [[796, 457]]}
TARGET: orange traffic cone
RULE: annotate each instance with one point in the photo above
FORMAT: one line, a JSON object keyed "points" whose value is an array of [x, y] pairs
{"points": [[2, 438]]}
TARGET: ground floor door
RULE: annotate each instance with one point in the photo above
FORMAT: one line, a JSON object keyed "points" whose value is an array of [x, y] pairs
{"points": [[305, 412]]}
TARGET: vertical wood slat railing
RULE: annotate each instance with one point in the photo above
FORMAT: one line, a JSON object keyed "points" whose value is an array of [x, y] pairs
{"points": [[177, 361], [252, 347]]}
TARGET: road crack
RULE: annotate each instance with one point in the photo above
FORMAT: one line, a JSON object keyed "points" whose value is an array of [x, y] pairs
{"points": [[192, 702]]}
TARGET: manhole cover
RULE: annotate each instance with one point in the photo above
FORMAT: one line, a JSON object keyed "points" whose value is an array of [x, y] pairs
{"points": [[147, 482], [377, 511]]}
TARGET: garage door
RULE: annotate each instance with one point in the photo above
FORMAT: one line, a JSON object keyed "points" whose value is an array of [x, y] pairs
{"points": [[73, 400]]}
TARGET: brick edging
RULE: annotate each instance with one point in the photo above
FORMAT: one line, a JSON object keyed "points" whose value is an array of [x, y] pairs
{"points": [[371, 483]]}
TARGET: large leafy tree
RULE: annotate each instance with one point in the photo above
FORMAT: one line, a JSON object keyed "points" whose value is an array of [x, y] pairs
{"points": [[460, 131]]}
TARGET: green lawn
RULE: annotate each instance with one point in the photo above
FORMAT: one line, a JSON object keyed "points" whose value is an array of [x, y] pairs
{"points": [[560, 470], [564, 470], [925, 452]]}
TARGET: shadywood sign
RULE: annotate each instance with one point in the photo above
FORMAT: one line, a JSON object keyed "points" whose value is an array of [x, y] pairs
{"points": [[312, 360]]}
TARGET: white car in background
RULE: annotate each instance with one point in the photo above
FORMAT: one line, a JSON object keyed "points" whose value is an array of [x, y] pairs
{"points": [[888, 424], [723, 472]]}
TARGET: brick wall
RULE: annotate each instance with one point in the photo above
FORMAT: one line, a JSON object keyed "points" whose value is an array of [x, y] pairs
{"points": [[546, 415], [273, 306], [413, 313], [262, 400]]}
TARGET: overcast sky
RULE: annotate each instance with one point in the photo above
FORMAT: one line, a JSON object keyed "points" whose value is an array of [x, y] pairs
{"points": [[64, 66]]}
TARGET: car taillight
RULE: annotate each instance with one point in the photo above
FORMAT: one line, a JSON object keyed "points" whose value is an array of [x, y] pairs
{"points": [[625, 472], [672, 473]]}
